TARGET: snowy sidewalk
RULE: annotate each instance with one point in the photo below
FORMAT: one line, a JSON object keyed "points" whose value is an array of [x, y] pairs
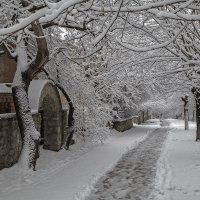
{"points": [[179, 166], [74, 179], [133, 176]]}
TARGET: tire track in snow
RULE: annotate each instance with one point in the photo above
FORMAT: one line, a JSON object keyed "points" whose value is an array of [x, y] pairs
{"points": [[133, 176]]}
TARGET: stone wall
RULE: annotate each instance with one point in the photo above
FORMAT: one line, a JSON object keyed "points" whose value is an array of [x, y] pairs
{"points": [[123, 124], [6, 103], [10, 138]]}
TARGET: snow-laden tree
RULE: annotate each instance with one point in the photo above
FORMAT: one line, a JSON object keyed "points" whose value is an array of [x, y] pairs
{"points": [[26, 27], [170, 32], [186, 44]]}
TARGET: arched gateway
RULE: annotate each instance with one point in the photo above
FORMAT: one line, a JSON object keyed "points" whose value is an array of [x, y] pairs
{"points": [[45, 99]]}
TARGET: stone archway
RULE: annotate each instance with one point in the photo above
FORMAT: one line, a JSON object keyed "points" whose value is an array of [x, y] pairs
{"points": [[45, 99], [51, 118]]}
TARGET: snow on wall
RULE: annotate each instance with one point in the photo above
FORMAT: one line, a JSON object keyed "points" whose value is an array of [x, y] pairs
{"points": [[5, 89]]}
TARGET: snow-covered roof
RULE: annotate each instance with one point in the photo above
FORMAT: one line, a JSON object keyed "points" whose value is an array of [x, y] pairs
{"points": [[5, 88], [34, 92]]}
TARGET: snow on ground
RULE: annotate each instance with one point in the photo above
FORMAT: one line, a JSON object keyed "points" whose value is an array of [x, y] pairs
{"points": [[71, 175], [68, 175], [178, 169], [133, 176]]}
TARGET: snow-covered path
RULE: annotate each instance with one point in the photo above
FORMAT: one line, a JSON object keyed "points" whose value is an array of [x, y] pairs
{"points": [[70, 179], [179, 165], [133, 176], [156, 164]]}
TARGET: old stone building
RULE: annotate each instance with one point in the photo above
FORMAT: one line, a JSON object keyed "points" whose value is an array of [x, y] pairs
{"points": [[48, 109]]}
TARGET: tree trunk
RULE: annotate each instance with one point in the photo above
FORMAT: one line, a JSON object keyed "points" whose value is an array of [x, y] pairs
{"points": [[186, 114], [23, 76], [198, 119], [193, 116], [143, 117], [196, 92], [30, 135], [186, 118]]}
